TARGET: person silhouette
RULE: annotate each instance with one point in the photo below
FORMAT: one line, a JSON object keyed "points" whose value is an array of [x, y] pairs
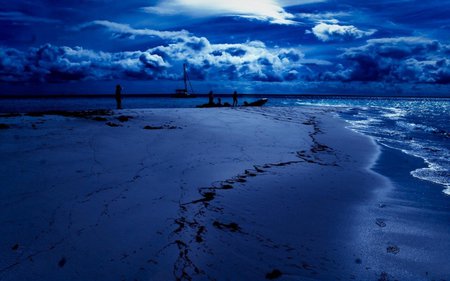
{"points": [[118, 96], [235, 99], [211, 97]]}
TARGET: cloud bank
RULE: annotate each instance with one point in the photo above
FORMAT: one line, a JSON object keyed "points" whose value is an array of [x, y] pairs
{"points": [[265, 10], [335, 32], [54, 64], [126, 31], [250, 61], [402, 59]]}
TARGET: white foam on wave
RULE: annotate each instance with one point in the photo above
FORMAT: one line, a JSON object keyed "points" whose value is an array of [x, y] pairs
{"points": [[397, 138], [394, 113], [415, 126], [322, 104], [433, 172]]}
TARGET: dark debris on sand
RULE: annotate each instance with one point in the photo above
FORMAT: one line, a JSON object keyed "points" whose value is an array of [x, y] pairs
{"points": [[111, 124], [62, 262], [77, 114], [99, 118], [380, 222], [233, 227], [393, 249], [169, 127], [124, 118], [148, 127], [276, 273], [384, 277], [4, 126], [198, 236], [8, 115]]}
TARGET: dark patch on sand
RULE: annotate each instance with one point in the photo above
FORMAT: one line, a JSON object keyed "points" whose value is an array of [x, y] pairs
{"points": [[4, 126], [383, 277], [198, 236], [180, 223], [8, 115], [168, 127], [258, 169], [207, 196], [232, 226], [99, 118], [313, 155], [62, 262], [276, 273], [380, 222], [148, 127], [15, 247], [249, 174], [307, 266], [77, 114], [319, 148], [184, 265], [124, 118], [393, 249], [241, 180], [111, 124]]}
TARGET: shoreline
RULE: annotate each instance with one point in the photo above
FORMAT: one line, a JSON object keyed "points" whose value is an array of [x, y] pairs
{"points": [[411, 217], [172, 194]]}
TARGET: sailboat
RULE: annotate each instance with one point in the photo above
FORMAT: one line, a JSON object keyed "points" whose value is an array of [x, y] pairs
{"points": [[184, 93]]}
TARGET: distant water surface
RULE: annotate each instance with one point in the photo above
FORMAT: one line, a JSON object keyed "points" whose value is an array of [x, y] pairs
{"points": [[417, 126]]}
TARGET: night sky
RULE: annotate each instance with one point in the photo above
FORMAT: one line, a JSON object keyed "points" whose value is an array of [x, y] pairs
{"points": [[392, 47]]}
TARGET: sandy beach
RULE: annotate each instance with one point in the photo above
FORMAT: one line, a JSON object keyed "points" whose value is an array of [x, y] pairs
{"points": [[212, 194]]}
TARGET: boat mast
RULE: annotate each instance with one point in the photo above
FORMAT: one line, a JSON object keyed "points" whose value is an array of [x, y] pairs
{"points": [[185, 79]]}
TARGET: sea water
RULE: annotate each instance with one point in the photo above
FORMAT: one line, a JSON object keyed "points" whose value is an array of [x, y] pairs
{"points": [[419, 127]]}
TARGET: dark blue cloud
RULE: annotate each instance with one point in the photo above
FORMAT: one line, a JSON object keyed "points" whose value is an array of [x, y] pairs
{"points": [[250, 61], [404, 59], [53, 64]]}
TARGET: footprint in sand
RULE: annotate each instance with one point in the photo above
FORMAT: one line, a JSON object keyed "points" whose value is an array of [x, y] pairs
{"points": [[233, 227], [393, 249], [380, 222]]}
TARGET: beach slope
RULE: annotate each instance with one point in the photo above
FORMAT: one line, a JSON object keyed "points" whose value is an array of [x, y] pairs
{"points": [[189, 194]]}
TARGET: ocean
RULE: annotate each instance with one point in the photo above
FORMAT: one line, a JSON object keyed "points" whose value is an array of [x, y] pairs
{"points": [[416, 126]]}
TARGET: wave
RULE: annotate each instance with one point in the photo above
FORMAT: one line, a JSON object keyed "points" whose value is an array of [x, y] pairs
{"points": [[412, 129]]}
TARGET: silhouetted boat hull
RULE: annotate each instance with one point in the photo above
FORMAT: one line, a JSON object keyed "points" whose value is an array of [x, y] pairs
{"points": [[259, 102], [183, 96], [206, 105]]}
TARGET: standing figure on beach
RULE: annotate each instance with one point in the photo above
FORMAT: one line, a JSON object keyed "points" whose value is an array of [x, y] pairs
{"points": [[211, 97], [119, 96], [235, 99]]}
